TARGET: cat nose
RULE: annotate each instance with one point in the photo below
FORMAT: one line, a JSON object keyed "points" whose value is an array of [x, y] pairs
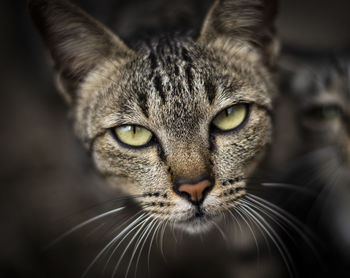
{"points": [[194, 191]]}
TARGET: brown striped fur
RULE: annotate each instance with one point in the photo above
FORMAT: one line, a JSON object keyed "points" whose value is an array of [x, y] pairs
{"points": [[173, 86]]}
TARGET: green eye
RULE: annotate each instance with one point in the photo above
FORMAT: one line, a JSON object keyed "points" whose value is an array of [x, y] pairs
{"points": [[231, 117], [133, 135], [324, 113]]}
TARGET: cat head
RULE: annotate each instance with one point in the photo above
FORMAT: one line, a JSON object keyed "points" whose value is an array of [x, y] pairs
{"points": [[179, 122], [319, 88]]}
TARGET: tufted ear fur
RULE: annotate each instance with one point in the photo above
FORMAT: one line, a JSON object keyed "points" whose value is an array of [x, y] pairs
{"points": [[247, 21], [77, 42]]}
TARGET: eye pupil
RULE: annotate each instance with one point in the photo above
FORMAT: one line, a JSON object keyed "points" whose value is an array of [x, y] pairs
{"points": [[228, 111], [232, 117], [133, 135]]}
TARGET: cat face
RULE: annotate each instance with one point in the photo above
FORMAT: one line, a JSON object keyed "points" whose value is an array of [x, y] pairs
{"points": [[320, 91], [179, 123]]}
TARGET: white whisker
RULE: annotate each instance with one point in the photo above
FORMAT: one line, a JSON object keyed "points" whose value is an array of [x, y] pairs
{"points": [[151, 243], [162, 239], [296, 188], [111, 243], [250, 229], [274, 237], [135, 248], [126, 230], [295, 224], [148, 230], [220, 231], [72, 230]]}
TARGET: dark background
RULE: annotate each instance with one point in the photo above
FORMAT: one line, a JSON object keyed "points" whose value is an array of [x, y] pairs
{"points": [[44, 172]]}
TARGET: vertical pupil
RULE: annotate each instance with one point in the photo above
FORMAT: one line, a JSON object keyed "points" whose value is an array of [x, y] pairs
{"points": [[228, 111], [133, 131]]}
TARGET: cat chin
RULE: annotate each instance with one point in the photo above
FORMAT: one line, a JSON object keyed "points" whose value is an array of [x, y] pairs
{"points": [[198, 225]]}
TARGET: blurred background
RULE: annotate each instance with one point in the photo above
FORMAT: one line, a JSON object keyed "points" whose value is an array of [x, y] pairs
{"points": [[45, 174]]}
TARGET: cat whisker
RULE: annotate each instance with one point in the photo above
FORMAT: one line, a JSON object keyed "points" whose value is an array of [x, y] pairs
{"points": [[141, 223], [272, 217], [148, 233], [253, 221], [283, 215], [151, 244], [77, 227], [241, 214], [128, 232], [140, 230], [98, 256], [277, 213], [220, 231], [275, 238], [300, 189], [99, 205], [165, 223], [139, 243], [172, 228], [235, 219]]}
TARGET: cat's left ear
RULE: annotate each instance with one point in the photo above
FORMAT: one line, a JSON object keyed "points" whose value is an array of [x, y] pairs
{"points": [[77, 42], [247, 21]]}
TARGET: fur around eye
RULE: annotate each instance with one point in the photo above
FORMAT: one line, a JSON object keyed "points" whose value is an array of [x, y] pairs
{"points": [[133, 135], [231, 117]]}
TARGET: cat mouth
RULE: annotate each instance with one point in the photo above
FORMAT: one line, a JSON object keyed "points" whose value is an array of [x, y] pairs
{"points": [[198, 215], [199, 222]]}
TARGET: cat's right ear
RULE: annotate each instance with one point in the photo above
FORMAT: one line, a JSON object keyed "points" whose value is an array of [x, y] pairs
{"points": [[77, 43], [243, 21]]}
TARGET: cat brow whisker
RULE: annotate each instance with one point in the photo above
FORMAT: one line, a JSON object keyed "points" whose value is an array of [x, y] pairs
{"points": [[98, 256], [77, 227]]}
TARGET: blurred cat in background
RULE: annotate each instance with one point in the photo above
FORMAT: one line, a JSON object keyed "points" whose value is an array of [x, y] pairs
{"points": [[312, 146]]}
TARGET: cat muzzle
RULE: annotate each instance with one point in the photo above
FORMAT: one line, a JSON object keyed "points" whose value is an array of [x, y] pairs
{"points": [[194, 192]]}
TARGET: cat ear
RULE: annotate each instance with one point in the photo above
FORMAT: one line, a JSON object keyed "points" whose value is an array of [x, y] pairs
{"points": [[248, 21], [76, 42]]}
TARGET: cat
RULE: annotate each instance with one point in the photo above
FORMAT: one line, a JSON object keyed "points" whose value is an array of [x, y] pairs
{"points": [[177, 123], [313, 146]]}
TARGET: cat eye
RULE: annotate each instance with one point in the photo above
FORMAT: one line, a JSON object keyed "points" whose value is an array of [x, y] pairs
{"points": [[324, 113], [133, 135], [232, 117]]}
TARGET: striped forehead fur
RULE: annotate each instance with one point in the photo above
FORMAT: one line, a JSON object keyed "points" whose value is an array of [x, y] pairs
{"points": [[183, 79]]}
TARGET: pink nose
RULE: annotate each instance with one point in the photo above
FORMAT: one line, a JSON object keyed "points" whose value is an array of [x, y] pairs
{"points": [[195, 192]]}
